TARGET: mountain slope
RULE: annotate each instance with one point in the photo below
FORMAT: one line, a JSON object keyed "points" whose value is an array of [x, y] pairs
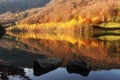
{"points": [[9, 17], [88, 11]]}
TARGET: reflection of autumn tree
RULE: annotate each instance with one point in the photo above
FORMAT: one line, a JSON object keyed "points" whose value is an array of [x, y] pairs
{"points": [[94, 51], [112, 48], [73, 45]]}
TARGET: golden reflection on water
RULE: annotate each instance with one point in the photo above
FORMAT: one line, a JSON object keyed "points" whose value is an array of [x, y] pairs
{"points": [[60, 36], [71, 45]]}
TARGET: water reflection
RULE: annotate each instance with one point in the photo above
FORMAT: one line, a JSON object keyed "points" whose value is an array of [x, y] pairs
{"points": [[18, 58], [102, 52]]}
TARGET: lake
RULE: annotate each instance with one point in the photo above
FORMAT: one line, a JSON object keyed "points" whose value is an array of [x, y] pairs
{"points": [[101, 50]]}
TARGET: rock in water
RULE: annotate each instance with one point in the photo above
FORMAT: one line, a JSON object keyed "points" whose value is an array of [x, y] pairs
{"points": [[2, 30], [42, 66], [79, 66]]}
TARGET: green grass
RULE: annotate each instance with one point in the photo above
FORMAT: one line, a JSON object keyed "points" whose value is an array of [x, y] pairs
{"points": [[110, 25], [109, 38]]}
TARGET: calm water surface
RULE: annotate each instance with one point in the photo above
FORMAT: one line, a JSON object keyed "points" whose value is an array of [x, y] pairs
{"points": [[22, 48]]}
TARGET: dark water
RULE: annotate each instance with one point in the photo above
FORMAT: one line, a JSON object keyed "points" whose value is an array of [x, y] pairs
{"points": [[21, 49]]}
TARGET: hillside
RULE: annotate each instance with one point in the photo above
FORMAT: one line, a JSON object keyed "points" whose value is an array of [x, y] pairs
{"points": [[20, 5], [14, 10], [84, 11], [10, 18]]}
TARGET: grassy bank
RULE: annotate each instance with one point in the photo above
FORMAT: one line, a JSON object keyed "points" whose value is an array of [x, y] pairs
{"points": [[109, 38], [110, 25]]}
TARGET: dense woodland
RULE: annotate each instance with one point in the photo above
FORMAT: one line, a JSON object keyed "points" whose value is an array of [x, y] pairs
{"points": [[66, 13], [94, 11]]}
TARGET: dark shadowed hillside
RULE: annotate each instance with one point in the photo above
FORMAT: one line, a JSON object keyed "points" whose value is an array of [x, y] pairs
{"points": [[20, 5], [9, 17]]}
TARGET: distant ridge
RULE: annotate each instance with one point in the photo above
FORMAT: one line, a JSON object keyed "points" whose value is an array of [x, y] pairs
{"points": [[20, 5]]}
